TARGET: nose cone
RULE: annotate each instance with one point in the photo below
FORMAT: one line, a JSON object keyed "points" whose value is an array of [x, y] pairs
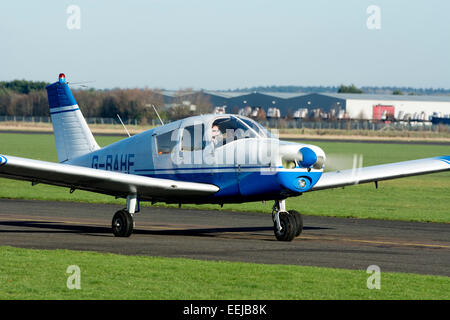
{"points": [[309, 157]]}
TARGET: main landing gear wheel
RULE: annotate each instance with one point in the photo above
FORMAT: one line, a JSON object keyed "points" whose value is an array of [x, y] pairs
{"points": [[122, 224]]}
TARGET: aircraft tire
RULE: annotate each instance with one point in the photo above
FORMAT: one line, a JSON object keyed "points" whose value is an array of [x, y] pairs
{"points": [[288, 227], [299, 221], [122, 224]]}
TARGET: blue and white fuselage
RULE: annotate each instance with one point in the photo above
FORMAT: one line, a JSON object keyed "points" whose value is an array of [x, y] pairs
{"points": [[246, 163]]}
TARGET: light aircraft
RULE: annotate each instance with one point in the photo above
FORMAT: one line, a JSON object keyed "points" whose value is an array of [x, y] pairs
{"points": [[214, 158]]}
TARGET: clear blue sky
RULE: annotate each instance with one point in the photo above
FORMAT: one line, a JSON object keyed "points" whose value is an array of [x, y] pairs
{"points": [[222, 44]]}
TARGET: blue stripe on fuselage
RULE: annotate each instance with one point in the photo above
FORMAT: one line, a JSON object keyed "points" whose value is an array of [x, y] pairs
{"points": [[226, 181]]}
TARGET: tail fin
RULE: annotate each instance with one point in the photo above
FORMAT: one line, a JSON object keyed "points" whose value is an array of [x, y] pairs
{"points": [[72, 135]]}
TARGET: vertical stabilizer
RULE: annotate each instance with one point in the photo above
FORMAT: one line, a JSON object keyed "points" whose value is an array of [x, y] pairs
{"points": [[72, 135]]}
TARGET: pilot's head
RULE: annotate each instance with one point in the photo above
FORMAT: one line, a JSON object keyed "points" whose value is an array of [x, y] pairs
{"points": [[215, 131]]}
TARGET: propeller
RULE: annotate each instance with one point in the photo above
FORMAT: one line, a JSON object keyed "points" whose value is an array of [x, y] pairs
{"points": [[337, 161]]}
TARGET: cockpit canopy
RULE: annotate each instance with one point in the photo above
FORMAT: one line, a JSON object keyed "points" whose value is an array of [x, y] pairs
{"points": [[197, 132], [239, 127]]}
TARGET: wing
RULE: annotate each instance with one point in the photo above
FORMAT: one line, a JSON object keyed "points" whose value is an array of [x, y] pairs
{"points": [[100, 181], [382, 172]]}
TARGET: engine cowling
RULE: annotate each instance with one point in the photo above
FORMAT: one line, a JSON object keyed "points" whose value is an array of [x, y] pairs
{"points": [[305, 156]]}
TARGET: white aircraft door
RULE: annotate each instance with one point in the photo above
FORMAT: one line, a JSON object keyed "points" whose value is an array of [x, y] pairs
{"points": [[165, 144]]}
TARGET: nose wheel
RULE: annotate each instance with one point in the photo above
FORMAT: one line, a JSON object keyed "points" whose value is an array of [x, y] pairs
{"points": [[287, 224]]}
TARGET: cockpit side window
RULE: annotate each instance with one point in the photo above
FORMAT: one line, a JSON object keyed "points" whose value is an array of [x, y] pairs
{"points": [[193, 138], [166, 142]]}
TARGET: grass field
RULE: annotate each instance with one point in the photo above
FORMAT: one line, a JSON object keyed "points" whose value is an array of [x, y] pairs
{"points": [[41, 274], [423, 198]]}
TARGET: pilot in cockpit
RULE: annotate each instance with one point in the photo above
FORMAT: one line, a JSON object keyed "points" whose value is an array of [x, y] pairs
{"points": [[216, 135]]}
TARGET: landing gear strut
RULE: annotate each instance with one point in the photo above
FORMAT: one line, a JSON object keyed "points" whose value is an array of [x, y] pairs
{"points": [[123, 222], [287, 224]]}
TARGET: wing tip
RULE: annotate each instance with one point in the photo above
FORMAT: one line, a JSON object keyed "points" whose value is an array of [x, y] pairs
{"points": [[3, 160]]}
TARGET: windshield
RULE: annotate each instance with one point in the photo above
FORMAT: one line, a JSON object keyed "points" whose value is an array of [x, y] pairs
{"points": [[230, 128], [259, 129]]}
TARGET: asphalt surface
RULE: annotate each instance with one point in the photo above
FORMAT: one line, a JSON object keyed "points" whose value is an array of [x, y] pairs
{"points": [[411, 247]]}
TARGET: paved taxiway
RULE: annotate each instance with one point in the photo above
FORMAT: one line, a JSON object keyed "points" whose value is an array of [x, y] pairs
{"points": [[233, 236]]}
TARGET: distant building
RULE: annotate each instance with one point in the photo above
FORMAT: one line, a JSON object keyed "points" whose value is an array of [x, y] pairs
{"points": [[368, 106], [301, 113], [273, 113], [326, 105], [220, 110], [246, 111]]}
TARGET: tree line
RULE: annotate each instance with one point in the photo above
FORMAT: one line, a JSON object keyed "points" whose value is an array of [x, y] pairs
{"points": [[346, 89], [28, 98]]}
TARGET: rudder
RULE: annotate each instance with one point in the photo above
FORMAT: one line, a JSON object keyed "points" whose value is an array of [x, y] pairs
{"points": [[73, 137]]}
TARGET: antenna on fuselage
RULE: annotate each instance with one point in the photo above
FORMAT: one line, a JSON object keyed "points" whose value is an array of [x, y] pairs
{"points": [[123, 125], [152, 105]]}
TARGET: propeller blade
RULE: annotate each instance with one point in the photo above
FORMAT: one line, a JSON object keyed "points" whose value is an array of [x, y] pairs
{"points": [[336, 161]]}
